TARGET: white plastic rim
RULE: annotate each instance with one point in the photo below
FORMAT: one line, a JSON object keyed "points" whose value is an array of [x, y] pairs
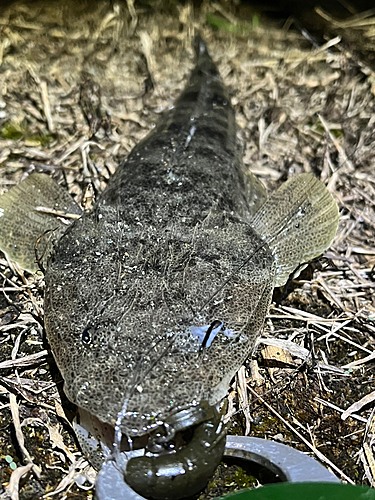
{"points": [[290, 464]]}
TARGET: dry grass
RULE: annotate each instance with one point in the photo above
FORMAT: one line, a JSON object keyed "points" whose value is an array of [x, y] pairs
{"points": [[298, 109]]}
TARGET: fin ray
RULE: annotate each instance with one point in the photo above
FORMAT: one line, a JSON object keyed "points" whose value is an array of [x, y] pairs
{"points": [[299, 221], [21, 224]]}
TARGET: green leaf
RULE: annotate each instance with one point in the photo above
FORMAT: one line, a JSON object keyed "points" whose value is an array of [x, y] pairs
{"points": [[305, 491], [240, 28]]}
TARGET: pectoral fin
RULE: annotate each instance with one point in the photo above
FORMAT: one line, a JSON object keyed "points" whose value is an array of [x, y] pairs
{"points": [[298, 221], [27, 211]]}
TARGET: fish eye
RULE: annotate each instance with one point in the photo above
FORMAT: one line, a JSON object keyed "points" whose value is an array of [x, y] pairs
{"points": [[86, 335]]}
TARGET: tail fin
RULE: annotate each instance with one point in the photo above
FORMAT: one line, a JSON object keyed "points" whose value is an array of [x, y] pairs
{"points": [[204, 62], [298, 221], [199, 46]]}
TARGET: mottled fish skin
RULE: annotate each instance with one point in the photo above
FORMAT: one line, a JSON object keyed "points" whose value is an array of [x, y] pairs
{"points": [[168, 247]]}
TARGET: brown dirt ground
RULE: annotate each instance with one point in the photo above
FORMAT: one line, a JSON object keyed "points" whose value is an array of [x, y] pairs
{"points": [[298, 109]]}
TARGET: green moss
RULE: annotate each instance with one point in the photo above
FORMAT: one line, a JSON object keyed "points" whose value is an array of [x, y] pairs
{"points": [[242, 479], [12, 131], [337, 133], [240, 28], [39, 140], [16, 131], [228, 477]]}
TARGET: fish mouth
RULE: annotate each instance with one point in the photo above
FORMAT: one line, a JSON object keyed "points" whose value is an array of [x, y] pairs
{"points": [[160, 440]]}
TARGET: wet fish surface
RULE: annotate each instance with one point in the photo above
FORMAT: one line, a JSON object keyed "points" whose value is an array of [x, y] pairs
{"points": [[166, 251], [154, 299]]}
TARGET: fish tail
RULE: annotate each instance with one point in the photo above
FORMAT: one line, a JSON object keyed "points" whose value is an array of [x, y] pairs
{"points": [[205, 105], [200, 46], [204, 63]]}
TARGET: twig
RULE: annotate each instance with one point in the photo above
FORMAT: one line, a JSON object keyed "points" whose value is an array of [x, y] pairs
{"points": [[334, 297], [19, 434], [359, 362], [337, 408], [369, 398], [32, 359], [58, 213], [46, 105], [14, 483], [244, 402], [337, 145]]}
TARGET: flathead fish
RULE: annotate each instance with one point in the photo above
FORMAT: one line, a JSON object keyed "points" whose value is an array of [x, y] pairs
{"points": [[155, 299]]}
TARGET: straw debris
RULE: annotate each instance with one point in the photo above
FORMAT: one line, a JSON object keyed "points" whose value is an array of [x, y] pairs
{"points": [[80, 84]]}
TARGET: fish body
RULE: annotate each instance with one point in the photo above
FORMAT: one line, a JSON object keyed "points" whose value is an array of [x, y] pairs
{"points": [[164, 253], [155, 298]]}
